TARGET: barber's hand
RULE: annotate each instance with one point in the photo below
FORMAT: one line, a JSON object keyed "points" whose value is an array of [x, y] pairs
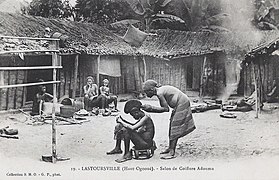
{"points": [[146, 107], [172, 113]]}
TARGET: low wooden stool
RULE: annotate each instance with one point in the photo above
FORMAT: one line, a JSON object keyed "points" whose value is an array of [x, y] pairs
{"points": [[143, 153]]}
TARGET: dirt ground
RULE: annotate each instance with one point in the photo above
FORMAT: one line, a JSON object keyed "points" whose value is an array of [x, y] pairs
{"points": [[220, 148]]}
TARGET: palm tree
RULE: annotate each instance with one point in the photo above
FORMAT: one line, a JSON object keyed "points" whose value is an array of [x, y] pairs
{"points": [[161, 13], [189, 15]]}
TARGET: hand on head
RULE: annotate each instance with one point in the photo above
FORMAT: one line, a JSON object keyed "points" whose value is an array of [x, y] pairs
{"points": [[146, 107], [89, 80]]}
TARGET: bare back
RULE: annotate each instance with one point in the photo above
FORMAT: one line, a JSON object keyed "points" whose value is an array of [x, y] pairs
{"points": [[172, 95]]}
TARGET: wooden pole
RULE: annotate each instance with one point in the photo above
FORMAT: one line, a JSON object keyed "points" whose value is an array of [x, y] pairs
{"points": [[75, 76], [202, 74], [145, 68], [1, 83], [137, 75], [29, 68], [54, 63], [26, 51], [29, 38], [54, 157], [256, 89], [98, 70], [28, 84], [259, 86], [1, 78]]}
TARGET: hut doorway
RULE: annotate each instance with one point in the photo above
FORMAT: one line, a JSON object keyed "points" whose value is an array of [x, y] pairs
{"points": [[189, 75], [193, 73], [35, 75]]}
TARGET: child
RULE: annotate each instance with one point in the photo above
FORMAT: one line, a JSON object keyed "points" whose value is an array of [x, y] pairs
{"points": [[105, 92], [141, 133]]}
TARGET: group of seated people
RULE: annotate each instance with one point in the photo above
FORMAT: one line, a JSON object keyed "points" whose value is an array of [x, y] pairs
{"points": [[92, 98]]}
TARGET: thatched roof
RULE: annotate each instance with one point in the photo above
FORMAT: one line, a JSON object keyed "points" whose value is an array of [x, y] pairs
{"points": [[83, 37], [262, 50], [93, 39], [171, 44]]}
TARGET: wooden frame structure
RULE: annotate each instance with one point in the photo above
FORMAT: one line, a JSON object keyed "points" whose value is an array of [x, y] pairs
{"points": [[256, 57], [55, 65]]}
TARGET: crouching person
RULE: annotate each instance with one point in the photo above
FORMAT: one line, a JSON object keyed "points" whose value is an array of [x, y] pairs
{"points": [[140, 132], [40, 97]]}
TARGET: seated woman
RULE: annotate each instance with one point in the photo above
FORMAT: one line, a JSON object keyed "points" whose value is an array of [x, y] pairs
{"points": [[40, 97], [141, 133], [91, 96], [105, 92], [90, 92]]}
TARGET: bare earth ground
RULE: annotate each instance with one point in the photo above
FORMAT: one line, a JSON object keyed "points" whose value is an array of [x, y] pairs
{"points": [[241, 148]]}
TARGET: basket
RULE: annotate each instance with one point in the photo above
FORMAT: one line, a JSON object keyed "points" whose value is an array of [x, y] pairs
{"points": [[67, 111]]}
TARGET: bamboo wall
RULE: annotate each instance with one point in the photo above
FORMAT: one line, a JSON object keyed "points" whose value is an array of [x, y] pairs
{"points": [[66, 76], [166, 72], [132, 74], [11, 98], [268, 72], [185, 73]]}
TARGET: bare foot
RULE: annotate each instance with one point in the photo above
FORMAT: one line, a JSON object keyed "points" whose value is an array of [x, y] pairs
{"points": [[166, 151], [124, 158], [114, 151], [169, 155]]}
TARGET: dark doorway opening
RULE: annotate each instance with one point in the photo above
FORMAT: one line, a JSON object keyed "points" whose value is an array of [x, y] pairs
{"points": [[35, 75], [189, 74]]}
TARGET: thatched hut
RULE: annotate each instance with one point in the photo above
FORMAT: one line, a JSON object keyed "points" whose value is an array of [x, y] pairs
{"points": [[264, 76], [204, 62], [88, 50]]}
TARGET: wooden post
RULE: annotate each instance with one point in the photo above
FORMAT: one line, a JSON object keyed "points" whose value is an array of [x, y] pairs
{"points": [[75, 76], [137, 75], [145, 69], [259, 86], [202, 74], [98, 70], [54, 63], [1, 78], [54, 156], [256, 89]]}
